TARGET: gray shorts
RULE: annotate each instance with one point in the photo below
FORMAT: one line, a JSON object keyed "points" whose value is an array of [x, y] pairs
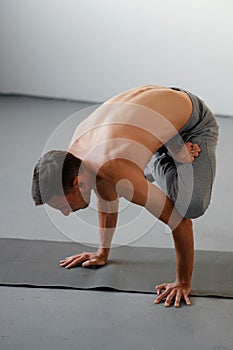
{"points": [[188, 185]]}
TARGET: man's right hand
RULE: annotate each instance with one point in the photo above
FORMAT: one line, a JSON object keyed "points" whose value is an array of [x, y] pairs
{"points": [[85, 259]]}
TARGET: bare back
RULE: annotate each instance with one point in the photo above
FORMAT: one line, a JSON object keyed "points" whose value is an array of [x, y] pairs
{"points": [[131, 126]]}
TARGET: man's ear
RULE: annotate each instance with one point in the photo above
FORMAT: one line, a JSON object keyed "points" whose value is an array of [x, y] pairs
{"points": [[75, 182], [78, 183]]}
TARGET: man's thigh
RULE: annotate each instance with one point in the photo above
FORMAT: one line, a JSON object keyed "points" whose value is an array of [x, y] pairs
{"points": [[188, 185], [195, 181]]}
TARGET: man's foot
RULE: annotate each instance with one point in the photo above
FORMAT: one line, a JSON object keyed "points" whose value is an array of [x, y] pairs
{"points": [[187, 153]]}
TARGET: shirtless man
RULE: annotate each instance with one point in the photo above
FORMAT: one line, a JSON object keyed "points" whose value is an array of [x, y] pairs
{"points": [[144, 134]]}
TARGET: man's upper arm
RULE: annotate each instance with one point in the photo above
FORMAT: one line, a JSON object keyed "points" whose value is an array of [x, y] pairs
{"points": [[107, 197], [128, 180], [130, 183]]}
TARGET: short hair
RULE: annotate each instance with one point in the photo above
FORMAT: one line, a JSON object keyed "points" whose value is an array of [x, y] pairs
{"points": [[53, 175]]}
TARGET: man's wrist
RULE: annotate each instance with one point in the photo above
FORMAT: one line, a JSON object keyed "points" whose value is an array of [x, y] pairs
{"points": [[104, 252], [185, 283], [184, 278]]}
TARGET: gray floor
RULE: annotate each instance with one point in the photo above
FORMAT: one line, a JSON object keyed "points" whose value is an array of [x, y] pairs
{"points": [[72, 319], [36, 319]]}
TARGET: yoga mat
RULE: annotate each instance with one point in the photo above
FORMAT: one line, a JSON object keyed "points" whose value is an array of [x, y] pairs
{"points": [[133, 269]]}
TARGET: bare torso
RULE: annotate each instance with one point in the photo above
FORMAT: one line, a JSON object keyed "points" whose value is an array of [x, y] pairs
{"points": [[131, 126]]}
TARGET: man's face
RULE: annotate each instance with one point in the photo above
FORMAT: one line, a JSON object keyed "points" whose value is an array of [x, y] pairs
{"points": [[69, 203]]}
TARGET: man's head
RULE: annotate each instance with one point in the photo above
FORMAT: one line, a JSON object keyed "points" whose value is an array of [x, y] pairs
{"points": [[61, 181]]}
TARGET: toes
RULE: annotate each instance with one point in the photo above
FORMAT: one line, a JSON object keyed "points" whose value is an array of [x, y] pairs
{"points": [[196, 147], [195, 154]]}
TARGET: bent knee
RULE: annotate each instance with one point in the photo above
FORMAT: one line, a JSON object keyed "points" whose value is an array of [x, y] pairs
{"points": [[197, 208]]}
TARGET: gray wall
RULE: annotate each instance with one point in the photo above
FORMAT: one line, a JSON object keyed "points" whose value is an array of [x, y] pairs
{"points": [[92, 49]]}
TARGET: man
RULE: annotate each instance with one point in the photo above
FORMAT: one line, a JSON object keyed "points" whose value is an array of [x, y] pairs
{"points": [[141, 135]]}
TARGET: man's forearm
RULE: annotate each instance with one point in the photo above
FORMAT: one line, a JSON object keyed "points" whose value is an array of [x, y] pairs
{"points": [[107, 226], [106, 235], [184, 245]]}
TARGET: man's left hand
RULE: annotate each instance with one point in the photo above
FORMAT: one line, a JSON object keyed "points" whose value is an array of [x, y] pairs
{"points": [[173, 291]]}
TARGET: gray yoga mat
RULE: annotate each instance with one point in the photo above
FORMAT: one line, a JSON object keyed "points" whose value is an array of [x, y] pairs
{"points": [[133, 269]]}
